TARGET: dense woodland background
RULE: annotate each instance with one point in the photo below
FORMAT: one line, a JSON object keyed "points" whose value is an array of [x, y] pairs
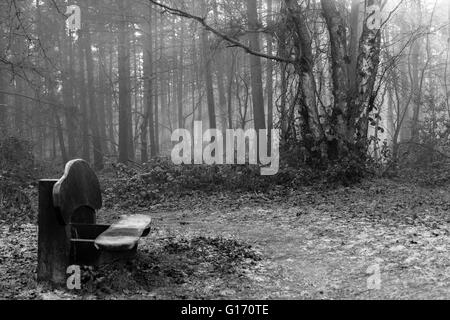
{"points": [[362, 102], [337, 89]]}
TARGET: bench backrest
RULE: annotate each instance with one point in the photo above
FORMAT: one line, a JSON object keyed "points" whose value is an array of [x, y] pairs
{"points": [[78, 190]]}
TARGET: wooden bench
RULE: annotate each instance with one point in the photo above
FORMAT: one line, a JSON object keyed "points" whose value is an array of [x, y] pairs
{"points": [[68, 233]]}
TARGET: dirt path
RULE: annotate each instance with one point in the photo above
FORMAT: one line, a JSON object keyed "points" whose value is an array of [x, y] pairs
{"points": [[310, 244], [323, 251], [304, 258]]}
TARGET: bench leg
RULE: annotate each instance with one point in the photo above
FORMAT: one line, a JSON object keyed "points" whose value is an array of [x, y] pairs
{"points": [[53, 239]]}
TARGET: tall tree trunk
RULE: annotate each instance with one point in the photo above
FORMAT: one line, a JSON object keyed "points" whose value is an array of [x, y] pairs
{"points": [[351, 108], [19, 107], [148, 121], [206, 52], [405, 85], [94, 123], [283, 87], [255, 67], [164, 75], [269, 78], [219, 61], [133, 109], [124, 88], [19, 89], [59, 131], [196, 82], [338, 145], [231, 73], [367, 69], [82, 97], [155, 146], [16, 46], [101, 94], [148, 100], [416, 85], [109, 93], [415, 88], [68, 91], [180, 81], [307, 126], [2, 89], [356, 26]]}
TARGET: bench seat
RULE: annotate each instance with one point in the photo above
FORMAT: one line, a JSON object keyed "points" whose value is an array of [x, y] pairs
{"points": [[125, 234]]}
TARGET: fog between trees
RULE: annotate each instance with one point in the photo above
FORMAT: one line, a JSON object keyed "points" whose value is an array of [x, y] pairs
{"points": [[334, 85]]}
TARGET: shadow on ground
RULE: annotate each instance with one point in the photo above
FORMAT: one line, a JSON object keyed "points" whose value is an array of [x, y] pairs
{"points": [[174, 268], [165, 267]]}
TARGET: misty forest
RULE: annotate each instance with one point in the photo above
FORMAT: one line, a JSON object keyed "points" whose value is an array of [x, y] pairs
{"points": [[356, 92]]}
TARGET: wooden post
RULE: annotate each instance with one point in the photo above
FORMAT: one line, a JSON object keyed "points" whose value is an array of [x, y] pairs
{"points": [[53, 239]]}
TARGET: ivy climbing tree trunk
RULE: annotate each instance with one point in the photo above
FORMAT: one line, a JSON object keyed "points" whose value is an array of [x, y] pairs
{"points": [[351, 108], [309, 129], [339, 137], [366, 73]]}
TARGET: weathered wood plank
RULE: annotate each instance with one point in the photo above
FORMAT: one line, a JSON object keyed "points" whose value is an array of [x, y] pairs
{"points": [[53, 239], [125, 234], [79, 187]]}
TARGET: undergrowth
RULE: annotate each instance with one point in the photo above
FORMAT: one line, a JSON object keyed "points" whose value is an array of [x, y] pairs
{"points": [[17, 173], [160, 179]]}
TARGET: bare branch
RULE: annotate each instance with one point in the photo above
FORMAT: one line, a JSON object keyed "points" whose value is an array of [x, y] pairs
{"points": [[222, 35], [33, 99]]}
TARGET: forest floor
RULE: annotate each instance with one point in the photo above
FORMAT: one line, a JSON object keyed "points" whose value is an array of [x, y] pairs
{"points": [[309, 243]]}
